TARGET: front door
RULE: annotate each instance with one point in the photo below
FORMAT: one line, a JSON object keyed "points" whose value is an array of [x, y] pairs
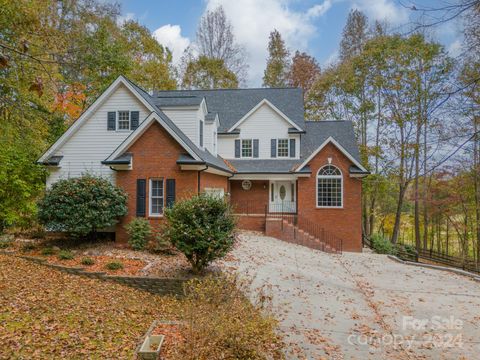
{"points": [[282, 196]]}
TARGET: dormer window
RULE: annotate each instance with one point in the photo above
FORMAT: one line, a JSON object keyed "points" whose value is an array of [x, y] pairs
{"points": [[123, 120], [282, 148]]}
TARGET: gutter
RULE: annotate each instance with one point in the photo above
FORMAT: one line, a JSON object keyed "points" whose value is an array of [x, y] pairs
{"points": [[198, 178]]}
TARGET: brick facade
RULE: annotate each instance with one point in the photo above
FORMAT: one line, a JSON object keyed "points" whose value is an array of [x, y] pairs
{"points": [[345, 222], [154, 156]]}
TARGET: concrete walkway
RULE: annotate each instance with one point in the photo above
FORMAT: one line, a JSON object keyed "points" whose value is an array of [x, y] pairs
{"points": [[360, 306]]}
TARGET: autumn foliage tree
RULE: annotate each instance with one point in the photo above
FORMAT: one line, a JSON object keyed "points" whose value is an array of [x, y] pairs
{"points": [[278, 62]]}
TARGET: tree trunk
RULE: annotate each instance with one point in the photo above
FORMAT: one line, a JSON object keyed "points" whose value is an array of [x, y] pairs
{"points": [[398, 214]]}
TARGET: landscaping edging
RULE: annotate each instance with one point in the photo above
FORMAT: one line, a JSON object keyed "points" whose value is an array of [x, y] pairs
{"points": [[154, 285], [436, 267]]}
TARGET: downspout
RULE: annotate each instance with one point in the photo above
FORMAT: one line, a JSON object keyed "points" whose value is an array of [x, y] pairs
{"points": [[198, 178]]}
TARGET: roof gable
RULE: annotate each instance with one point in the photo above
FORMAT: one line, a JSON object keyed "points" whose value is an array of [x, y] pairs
{"points": [[339, 147], [232, 104], [91, 110], [135, 135], [264, 102]]}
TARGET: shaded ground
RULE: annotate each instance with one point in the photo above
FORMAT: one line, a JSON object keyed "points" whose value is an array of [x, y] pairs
{"points": [[47, 314], [360, 306]]}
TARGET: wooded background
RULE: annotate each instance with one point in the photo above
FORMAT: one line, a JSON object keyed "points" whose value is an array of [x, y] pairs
{"points": [[415, 108]]}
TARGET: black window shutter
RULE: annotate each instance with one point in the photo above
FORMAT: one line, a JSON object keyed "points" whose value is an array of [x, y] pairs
{"points": [[292, 147], [273, 148], [141, 197], [134, 119], [111, 120], [170, 192], [255, 148], [201, 133], [237, 148]]}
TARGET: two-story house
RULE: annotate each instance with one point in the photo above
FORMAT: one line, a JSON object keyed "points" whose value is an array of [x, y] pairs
{"points": [[251, 145]]}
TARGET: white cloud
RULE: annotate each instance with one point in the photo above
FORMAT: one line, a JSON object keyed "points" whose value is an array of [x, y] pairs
{"points": [[383, 10], [171, 37], [253, 21], [121, 19], [455, 48], [319, 9]]}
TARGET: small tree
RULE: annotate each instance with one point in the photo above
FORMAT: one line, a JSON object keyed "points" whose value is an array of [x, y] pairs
{"points": [[201, 228], [139, 231], [82, 206]]}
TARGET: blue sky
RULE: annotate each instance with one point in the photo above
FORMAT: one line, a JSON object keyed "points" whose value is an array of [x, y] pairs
{"points": [[314, 26]]}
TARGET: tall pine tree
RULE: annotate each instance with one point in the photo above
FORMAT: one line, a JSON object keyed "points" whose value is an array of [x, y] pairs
{"points": [[354, 36], [278, 63]]}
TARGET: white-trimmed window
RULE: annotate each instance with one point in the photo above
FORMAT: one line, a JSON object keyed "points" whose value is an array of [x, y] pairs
{"points": [[247, 148], [329, 187], [282, 148], [156, 197], [218, 193], [123, 122]]}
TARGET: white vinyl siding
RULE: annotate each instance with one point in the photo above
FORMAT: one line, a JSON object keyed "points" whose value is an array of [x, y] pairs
{"points": [[92, 142], [264, 124]]}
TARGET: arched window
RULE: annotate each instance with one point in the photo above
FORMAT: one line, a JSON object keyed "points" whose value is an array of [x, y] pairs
{"points": [[329, 187]]}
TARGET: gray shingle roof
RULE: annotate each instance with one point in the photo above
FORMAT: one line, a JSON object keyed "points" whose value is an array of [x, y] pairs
{"points": [[202, 154], [319, 131], [267, 166], [168, 101], [232, 104]]}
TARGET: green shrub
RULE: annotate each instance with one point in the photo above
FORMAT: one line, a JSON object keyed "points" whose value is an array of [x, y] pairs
{"points": [[382, 245], [139, 231], [82, 206], [65, 255], [161, 245], [48, 251], [201, 228], [28, 247], [87, 261], [114, 265], [6, 241]]}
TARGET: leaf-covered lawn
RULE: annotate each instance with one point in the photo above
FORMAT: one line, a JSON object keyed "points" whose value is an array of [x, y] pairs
{"points": [[45, 313]]}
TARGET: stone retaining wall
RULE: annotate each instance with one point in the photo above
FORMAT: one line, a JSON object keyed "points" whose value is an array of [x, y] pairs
{"points": [[154, 285]]}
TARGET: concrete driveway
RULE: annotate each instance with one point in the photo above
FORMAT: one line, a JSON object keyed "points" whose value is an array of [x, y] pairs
{"points": [[360, 306]]}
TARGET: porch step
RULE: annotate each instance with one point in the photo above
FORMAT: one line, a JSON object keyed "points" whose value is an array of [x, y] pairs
{"points": [[302, 237]]}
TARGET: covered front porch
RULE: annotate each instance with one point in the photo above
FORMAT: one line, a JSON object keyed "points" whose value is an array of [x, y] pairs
{"points": [[252, 196]]}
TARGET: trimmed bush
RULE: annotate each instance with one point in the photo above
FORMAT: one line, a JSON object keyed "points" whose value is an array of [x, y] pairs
{"points": [[139, 231], [65, 255], [114, 265], [201, 228], [382, 245], [82, 206], [87, 261], [28, 247], [6, 241], [48, 251]]}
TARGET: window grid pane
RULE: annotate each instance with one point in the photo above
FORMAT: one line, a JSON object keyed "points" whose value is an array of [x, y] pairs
{"points": [[247, 148], [330, 192], [156, 197], [124, 120], [282, 148]]}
